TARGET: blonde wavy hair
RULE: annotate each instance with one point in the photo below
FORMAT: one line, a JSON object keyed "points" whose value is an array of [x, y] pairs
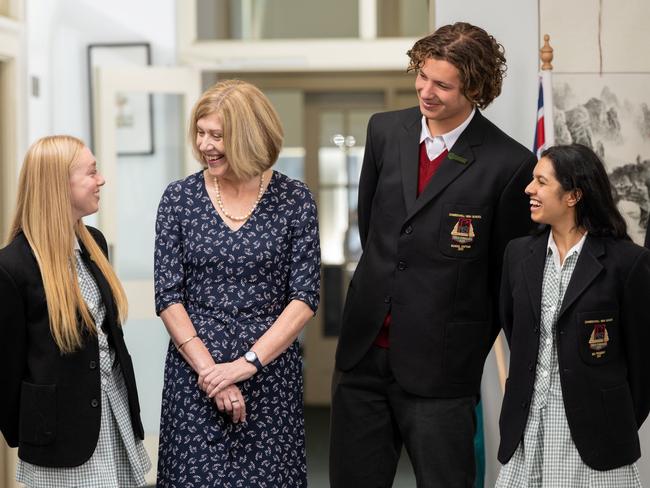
{"points": [[252, 132], [44, 215]]}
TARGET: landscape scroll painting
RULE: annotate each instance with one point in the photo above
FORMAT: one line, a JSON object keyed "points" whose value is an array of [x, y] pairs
{"points": [[610, 113]]}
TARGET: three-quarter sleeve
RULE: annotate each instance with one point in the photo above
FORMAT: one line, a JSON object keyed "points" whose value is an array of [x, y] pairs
{"points": [[304, 274], [169, 275]]}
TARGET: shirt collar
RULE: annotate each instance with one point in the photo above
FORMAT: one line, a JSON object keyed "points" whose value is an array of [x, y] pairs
{"points": [[450, 137], [552, 247]]}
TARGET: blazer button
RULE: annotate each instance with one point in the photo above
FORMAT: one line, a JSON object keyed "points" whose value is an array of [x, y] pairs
{"points": [[92, 365], [536, 330], [408, 229], [401, 265], [531, 366], [94, 403], [387, 299], [524, 404]]}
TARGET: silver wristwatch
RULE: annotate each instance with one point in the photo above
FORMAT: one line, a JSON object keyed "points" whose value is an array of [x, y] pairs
{"points": [[252, 358]]}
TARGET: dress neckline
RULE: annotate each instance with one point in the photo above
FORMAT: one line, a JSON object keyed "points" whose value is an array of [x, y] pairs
{"points": [[218, 216]]}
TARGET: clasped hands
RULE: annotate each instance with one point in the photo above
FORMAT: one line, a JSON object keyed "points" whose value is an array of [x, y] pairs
{"points": [[219, 383]]}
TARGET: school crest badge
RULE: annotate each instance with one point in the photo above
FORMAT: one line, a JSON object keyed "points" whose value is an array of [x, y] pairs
{"points": [[599, 337], [463, 234]]}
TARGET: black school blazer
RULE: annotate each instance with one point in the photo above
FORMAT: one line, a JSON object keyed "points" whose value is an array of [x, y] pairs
{"points": [[440, 286], [603, 346], [51, 404]]}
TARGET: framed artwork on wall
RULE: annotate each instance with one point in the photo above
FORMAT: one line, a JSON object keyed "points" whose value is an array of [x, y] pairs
{"points": [[610, 113], [134, 111], [600, 93]]}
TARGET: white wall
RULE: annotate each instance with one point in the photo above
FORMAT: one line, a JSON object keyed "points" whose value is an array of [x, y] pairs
{"points": [[58, 33]]}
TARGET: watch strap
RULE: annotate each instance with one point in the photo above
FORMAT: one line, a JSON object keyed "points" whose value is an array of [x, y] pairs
{"points": [[255, 362]]}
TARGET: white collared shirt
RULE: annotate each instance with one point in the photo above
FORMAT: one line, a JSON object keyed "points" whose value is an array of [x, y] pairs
{"points": [[556, 252], [436, 145]]}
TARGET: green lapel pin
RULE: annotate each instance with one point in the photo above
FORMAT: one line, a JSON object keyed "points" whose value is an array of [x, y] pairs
{"points": [[456, 157]]}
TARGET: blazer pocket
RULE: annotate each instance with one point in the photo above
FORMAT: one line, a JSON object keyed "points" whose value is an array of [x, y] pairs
{"points": [[465, 350], [619, 413], [598, 336], [37, 424], [464, 230]]}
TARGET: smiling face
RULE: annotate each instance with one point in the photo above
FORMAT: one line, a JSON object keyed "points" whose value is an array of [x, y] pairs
{"points": [[209, 141], [549, 202], [85, 182], [439, 93]]}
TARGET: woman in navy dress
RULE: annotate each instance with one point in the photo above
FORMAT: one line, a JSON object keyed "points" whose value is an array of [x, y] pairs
{"points": [[237, 272]]}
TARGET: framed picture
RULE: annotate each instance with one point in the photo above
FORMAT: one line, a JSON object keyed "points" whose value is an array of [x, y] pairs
{"points": [[134, 119], [600, 94], [610, 114]]}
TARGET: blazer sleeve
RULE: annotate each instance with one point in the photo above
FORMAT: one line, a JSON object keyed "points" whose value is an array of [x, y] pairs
{"points": [[505, 296], [367, 185], [635, 331], [511, 220], [13, 355]]}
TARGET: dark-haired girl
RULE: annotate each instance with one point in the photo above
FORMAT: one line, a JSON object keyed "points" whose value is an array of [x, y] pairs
{"points": [[574, 312]]}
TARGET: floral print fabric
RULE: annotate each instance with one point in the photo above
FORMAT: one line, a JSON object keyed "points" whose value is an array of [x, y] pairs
{"points": [[234, 284]]}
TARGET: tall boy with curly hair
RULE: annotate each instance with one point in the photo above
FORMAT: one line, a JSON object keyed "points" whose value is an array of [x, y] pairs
{"points": [[440, 195]]}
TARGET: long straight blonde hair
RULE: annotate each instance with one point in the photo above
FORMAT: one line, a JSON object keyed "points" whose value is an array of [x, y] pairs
{"points": [[44, 215]]}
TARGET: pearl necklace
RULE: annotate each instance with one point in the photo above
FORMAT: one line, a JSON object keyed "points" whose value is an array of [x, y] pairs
{"points": [[236, 218]]}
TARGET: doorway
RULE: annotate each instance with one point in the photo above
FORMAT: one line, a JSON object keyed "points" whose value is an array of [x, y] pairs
{"points": [[335, 125]]}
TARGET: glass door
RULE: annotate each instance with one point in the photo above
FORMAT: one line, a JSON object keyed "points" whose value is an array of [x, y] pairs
{"points": [[336, 136]]}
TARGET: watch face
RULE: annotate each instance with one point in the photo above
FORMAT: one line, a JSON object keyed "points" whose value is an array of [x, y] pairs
{"points": [[250, 356]]}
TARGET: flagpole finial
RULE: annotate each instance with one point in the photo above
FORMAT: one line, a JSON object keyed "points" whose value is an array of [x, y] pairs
{"points": [[546, 54]]}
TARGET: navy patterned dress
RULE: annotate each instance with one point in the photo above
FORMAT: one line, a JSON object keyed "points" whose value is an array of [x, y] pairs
{"points": [[234, 284]]}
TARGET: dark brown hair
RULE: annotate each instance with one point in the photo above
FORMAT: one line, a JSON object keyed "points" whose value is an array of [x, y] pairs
{"points": [[579, 168], [478, 57]]}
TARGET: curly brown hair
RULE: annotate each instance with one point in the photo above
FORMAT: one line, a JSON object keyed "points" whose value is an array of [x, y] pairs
{"points": [[479, 58]]}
